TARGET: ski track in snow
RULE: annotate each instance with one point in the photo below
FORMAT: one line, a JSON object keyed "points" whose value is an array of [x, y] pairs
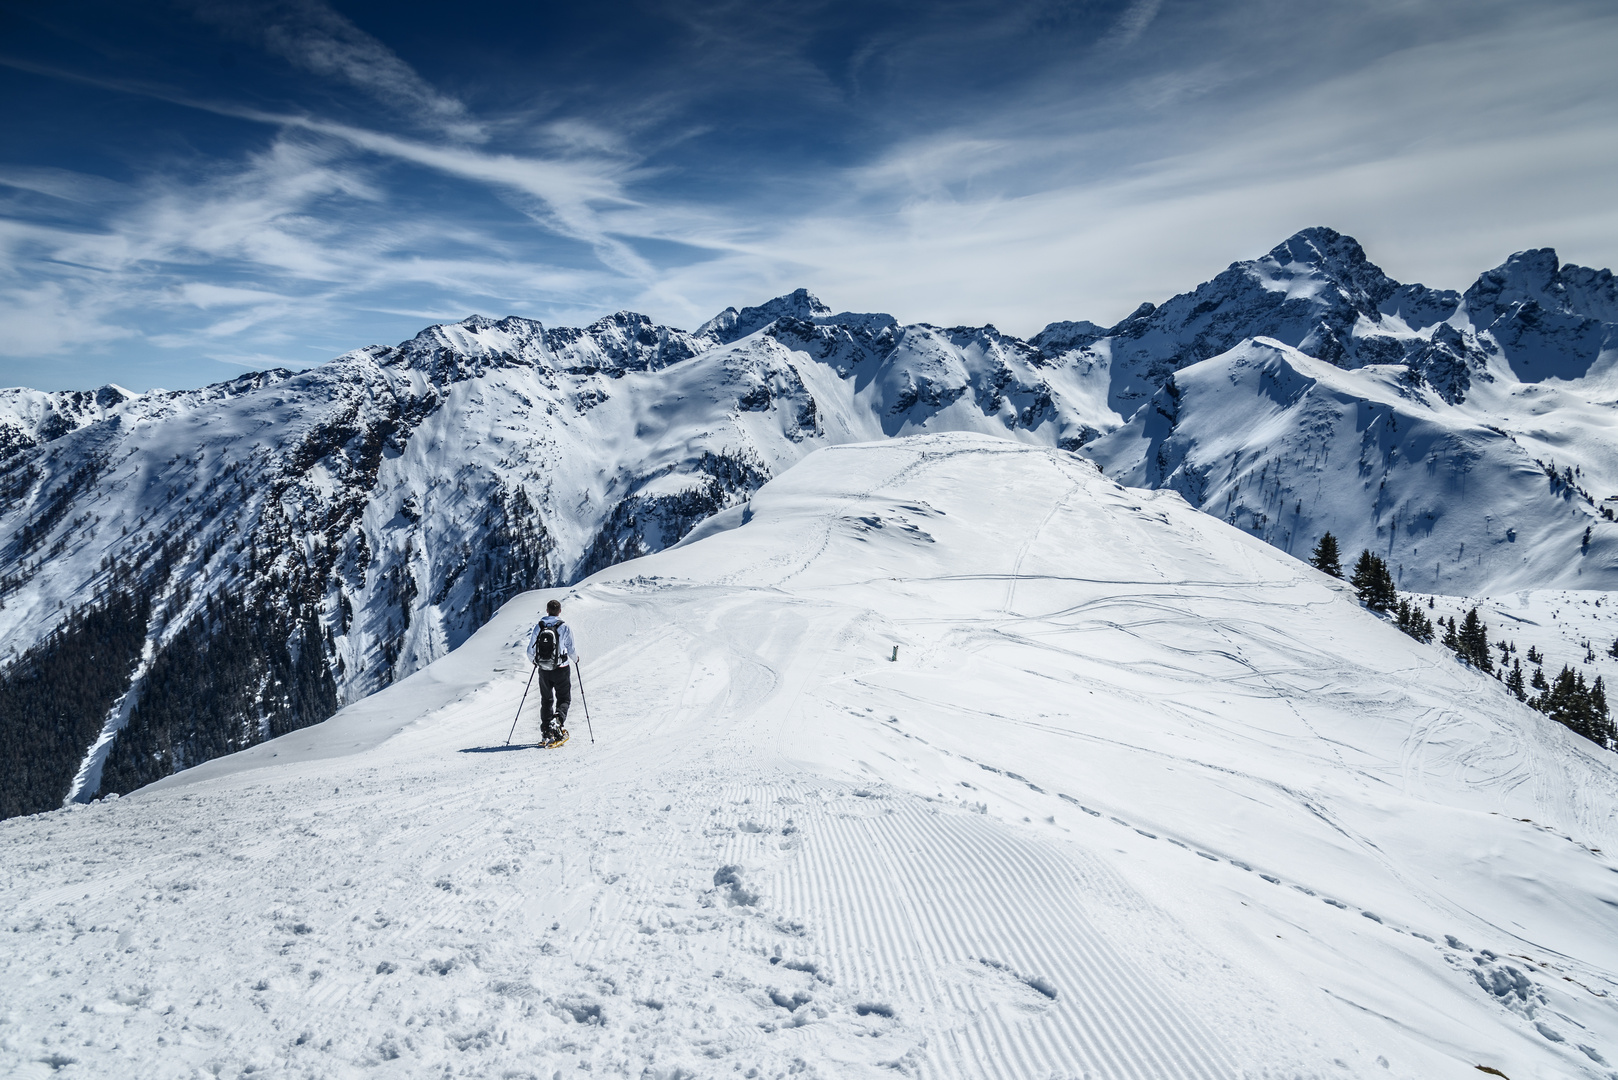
{"points": [[1188, 815]]}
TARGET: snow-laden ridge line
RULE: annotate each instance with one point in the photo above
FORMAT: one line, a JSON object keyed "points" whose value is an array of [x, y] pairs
{"points": [[1083, 837], [371, 513]]}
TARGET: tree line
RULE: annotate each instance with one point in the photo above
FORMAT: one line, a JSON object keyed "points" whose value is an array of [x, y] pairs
{"points": [[1568, 699], [237, 673], [55, 698]]}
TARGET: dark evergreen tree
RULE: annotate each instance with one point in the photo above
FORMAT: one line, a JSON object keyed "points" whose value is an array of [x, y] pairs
{"points": [[237, 673], [55, 698], [1450, 642], [1612, 650], [1373, 584], [1538, 681], [1535, 656], [1570, 702], [1326, 558], [1472, 642], [1386, 595], [1363, 574], [1413, 621], [1514, 682]]}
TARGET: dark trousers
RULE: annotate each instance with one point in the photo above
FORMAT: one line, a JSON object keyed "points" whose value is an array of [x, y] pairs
{"points": [[555, 695]]}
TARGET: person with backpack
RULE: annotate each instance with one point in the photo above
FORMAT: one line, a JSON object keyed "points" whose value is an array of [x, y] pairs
{"points": [[551, 649]]}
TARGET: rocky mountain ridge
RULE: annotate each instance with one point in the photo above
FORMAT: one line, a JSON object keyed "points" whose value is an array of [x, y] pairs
{"points": [[291, 541], [303, 539], [1466, 437]]}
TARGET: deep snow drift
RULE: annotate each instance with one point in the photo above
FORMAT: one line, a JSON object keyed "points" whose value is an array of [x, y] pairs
{"points": [[1139, 797]]}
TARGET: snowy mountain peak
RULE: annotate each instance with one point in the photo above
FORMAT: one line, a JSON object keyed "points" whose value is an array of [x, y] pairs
{"points": [[731, 325], [1327, 255], [31, 417], [800, 305], [1548, 321], [1316, 291], [1537, 277], [1058, 337], [332, 530], [1319, 244]]}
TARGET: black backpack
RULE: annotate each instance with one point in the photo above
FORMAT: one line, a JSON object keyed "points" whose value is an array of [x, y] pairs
{"points": [[547, 645]]}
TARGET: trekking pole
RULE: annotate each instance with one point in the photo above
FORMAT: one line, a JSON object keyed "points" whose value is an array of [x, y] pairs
{"points": [[525, 698], [586, 702]]}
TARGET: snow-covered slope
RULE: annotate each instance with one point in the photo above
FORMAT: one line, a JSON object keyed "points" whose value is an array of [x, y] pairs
{"points": [[31, 417], [1290, 447], [286, 542], [1574, 628], [1469, 438], [293, 541], [1139, 797]]}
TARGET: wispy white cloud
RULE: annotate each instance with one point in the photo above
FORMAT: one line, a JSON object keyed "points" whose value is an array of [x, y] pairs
{"points": [[49, 319], [61, 184], [1045, 204], [1438, 156], [1131, 23], [562, 193], [313, 36], [566, 191], [206, 296]]}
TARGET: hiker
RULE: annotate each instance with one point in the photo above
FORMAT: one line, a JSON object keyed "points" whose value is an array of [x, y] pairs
{"points": [[551, 649]]}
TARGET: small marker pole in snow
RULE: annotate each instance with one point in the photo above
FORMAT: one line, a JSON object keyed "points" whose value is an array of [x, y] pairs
{"points": [[520, 703], [895, 656], [586, 702]]}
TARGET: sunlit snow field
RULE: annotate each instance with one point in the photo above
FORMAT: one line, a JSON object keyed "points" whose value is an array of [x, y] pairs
{"points": [[1139, 797]]}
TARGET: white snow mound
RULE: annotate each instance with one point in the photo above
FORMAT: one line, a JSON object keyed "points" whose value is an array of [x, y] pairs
{"points": [[1139, 796]]}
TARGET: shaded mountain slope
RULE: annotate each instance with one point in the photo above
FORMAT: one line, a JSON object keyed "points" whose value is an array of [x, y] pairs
{"points": [[1289, 448]]}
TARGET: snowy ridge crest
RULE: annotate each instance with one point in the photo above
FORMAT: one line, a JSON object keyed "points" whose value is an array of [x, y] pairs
{"points": [[370, 513], [1170, 806]]}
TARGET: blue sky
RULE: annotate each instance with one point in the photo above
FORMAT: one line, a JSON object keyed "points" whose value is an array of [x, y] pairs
{"points": [[191, 188]]}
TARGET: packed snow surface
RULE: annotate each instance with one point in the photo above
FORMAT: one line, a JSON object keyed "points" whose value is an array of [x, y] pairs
{"points": [[1139, 796]]}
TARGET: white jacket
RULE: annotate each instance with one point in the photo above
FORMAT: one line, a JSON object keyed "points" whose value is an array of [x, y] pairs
{"points": [[564, 639]]}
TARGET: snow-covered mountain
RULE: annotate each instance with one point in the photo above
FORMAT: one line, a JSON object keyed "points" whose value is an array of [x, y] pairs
{"points": [[285, 542], [1468, 438], [1139, 797], [1290, 447], [241, 559]]}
